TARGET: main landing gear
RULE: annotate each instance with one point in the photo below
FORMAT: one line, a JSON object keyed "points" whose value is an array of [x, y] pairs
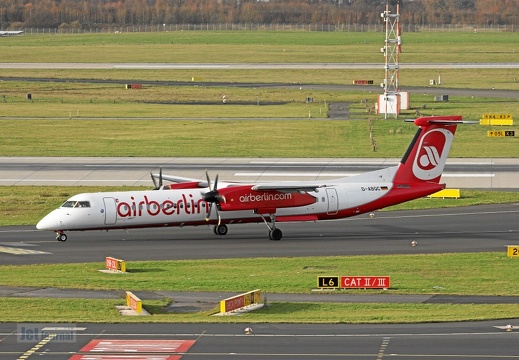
{"points": [[220, 229], [274, 233], [61, 236]]}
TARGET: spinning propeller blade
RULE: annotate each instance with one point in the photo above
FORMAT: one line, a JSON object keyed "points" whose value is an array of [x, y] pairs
{"points": [[158, 184], [212, 196]]}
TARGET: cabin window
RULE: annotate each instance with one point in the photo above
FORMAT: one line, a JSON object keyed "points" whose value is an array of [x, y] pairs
{"points": [[76, 204]]}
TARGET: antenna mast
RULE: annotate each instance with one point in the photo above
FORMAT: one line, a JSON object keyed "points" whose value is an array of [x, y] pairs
{"points": [[391, 50]]}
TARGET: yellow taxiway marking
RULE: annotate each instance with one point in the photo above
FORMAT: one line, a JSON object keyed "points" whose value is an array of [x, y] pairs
{"points": [[37, 347]]}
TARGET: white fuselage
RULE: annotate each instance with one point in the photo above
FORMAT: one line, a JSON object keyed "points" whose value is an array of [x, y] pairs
{"points": [[152, 208], [195, 202]]}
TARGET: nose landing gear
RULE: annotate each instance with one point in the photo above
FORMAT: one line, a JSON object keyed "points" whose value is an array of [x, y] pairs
{"points": [[61, 236]]}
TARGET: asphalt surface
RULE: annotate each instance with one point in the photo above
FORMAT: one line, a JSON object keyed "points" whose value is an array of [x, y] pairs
{"points": [[466, 229], [478, 173], [480, 340]]}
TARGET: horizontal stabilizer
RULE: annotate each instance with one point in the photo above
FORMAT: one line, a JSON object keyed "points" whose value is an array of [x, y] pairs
{"points": [[440, 120]]}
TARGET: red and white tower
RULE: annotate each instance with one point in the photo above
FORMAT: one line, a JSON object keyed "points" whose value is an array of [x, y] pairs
{"points": [[390, 103]]}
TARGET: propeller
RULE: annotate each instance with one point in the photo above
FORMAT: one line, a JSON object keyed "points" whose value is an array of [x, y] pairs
{"points": [[158, 184], [212, 197]]}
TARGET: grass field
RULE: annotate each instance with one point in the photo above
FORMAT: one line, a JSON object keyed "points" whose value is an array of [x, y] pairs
{"points": [[455, 274], [65, 106], [258, 47], [472, 274], [232, 138], [269, 47], [104, 311]]}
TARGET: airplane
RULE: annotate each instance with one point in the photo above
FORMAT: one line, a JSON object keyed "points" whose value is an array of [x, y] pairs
{"points": [[190, 202], [10, 33]]}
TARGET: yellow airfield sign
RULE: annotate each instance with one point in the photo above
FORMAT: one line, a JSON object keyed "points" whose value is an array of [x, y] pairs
{"points": [[513, 250], [497, 120], [497, 116], [500, 133]]}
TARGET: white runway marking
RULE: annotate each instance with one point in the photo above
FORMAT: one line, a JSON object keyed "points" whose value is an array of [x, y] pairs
{"points": [[20, 251]]}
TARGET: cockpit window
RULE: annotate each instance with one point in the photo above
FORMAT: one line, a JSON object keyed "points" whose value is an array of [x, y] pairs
{"points": [[76, 204]]}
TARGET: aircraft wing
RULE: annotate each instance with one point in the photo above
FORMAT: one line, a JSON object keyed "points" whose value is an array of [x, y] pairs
{"points": [[181, 179], [290, 187], [286, 187]]}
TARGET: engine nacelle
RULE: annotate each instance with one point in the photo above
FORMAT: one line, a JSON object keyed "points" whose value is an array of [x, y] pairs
{"points": [[244, 198]]}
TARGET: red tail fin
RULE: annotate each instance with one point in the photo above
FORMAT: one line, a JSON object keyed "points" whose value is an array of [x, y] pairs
{"points": [[425, 158]]}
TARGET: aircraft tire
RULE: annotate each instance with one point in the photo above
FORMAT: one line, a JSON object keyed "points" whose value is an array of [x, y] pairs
{"points": [[221, 229], [61, 237], [275, 234]]}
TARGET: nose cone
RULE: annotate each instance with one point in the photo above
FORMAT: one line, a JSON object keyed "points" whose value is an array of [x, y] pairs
{"points": [[50, 222]]}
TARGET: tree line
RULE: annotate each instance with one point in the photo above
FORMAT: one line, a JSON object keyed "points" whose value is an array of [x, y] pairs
{"points": [[98, 13]]}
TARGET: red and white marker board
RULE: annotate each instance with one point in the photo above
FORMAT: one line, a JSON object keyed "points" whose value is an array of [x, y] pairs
{"points": [[106, 349]]}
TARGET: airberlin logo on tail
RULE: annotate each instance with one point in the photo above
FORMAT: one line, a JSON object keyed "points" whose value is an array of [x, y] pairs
{"points": [[432, 153], [431, 158]]}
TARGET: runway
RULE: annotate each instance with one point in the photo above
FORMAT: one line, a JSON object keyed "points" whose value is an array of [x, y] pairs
{"points": [[481, 340], [459, 173], [465, 229]]}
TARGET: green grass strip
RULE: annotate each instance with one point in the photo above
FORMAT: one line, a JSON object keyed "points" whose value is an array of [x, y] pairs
{"points": [[457, 274], [454, 274], [104, 311]]}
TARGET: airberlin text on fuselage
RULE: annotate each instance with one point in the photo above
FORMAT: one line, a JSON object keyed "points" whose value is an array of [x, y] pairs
{"points": [[265, 197], [168, 207]]}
